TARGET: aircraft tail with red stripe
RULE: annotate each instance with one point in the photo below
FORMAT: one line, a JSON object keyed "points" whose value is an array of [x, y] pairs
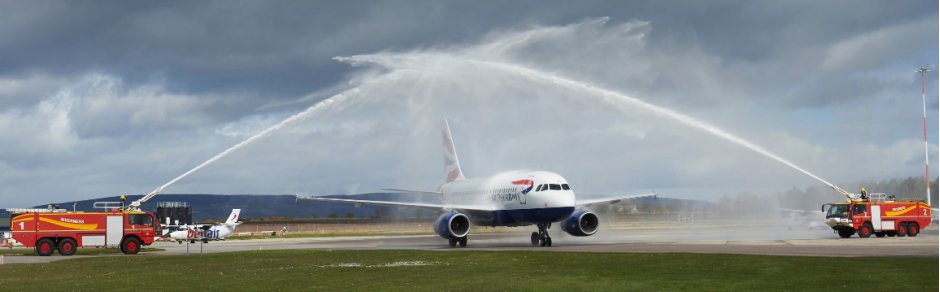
{"points": [[451, 163]]}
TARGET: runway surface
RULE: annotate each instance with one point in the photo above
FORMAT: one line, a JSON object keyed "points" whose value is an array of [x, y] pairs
{"points": [[684, 239]]}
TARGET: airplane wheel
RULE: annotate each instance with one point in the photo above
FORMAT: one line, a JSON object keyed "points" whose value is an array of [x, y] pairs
{"points": [[462, 241], [535, 239], [548, 241], [45, 247], [879, 234], [130, 245], [67, 247], [452, 242], [912, 229]]}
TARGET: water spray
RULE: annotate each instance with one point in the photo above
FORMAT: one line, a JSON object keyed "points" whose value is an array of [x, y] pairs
{"points": [[616, 99], [923, 96], [326, 103]]}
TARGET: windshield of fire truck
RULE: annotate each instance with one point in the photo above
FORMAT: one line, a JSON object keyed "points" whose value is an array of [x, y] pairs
{"points": [[838, 210], [141, 219]]}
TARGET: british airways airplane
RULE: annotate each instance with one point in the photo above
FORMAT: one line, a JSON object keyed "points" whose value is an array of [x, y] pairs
{"points": [[513, 198]]}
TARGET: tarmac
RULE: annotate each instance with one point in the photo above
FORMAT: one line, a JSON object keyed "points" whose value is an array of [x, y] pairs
{"points": [[752, 240]]}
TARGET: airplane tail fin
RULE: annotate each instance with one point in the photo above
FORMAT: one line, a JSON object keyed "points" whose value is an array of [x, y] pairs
{"points": [[451, 163], [233, 218]]}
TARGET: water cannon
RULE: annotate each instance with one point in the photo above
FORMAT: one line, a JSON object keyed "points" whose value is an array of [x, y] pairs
{"points": [[848, 196], [135, 205]]}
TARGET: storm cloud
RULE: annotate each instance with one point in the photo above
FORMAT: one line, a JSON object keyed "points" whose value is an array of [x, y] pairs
{"points": [[105, 98]]}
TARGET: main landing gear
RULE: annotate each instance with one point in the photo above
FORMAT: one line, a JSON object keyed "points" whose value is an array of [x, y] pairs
{"points": [[454, 242], [541, 238]]}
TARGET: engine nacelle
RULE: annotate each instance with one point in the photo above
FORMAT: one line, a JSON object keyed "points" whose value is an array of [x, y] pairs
{"points": [[581, 223], [452, 224]]}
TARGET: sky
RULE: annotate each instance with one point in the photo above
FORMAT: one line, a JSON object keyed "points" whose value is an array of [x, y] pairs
{"points": [[120, 97]]}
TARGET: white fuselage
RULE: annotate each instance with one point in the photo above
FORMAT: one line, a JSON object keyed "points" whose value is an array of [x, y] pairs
{"points": [[215, 232], [193, 233], [518, 198]]}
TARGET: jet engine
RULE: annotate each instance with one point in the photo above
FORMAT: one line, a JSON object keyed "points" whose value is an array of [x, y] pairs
{"points": [[581, 223], [452, 225]]}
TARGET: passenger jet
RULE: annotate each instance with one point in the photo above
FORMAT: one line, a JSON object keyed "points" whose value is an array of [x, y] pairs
{"points": [[513, 198]]}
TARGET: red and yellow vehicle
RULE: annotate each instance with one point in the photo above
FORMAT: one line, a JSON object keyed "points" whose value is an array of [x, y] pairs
{"points": [[49, 230], [878, 215]]}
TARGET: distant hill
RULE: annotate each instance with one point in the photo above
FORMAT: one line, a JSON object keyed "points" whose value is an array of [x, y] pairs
{"points": [[208, 207]]}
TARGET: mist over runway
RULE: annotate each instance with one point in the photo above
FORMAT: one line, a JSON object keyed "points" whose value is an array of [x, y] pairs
{"points": [[738, 239], [751, 240]]}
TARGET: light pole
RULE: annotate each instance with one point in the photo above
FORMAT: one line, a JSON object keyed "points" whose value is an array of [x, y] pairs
{"points": [[923, 96]]}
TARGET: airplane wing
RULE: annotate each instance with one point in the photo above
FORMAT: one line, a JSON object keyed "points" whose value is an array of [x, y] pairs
{"points": [[414, 192], [402, 204], [611, 199]]}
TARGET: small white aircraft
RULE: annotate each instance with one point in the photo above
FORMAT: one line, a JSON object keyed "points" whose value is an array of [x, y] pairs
{"points": [[513, 198], [206, 232]]}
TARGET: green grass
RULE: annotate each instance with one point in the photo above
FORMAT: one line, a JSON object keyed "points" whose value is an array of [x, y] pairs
{"points": [[80, 251], [325, 270]]}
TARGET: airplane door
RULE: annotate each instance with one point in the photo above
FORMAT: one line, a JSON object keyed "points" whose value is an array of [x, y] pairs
{"points": [[115, 230]]}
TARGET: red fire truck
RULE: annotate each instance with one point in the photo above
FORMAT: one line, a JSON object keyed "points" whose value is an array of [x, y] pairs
{"points": [[878, 215], [55, 229]]}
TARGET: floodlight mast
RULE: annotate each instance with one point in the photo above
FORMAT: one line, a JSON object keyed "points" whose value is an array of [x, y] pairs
{"points": [[923, 96]]}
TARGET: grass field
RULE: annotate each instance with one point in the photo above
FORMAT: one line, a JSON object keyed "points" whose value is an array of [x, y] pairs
{"points": [[80, 251], [324, 270]]}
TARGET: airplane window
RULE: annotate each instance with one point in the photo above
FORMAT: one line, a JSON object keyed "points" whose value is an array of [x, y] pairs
{"points": [[565, 187], [554, 187], [543, 187]]}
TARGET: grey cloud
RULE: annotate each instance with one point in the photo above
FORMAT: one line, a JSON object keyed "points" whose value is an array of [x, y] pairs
{"points": [[192, 78]]}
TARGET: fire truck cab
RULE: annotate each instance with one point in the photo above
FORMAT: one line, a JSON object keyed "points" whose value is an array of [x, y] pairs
{"points": [[878, 215], [49, 230]]}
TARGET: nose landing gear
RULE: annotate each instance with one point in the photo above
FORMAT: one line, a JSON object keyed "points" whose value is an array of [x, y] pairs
{"points": [[541, 238]]}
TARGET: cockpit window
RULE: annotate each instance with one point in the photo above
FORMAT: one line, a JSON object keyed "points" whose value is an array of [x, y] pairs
{"points": [[554, 187], [565, 187], [541, 188]]}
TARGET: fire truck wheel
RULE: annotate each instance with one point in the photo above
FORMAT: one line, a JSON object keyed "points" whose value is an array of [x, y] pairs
{"points": [[865, 231], [902, 229], [45, 247], [130, 245], [846, 232], [67, 247], [912, 229]]}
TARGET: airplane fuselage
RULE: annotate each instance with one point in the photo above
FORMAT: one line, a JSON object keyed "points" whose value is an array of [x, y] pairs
{"points": [[206, 233], [515, 198], [190, 233]]}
